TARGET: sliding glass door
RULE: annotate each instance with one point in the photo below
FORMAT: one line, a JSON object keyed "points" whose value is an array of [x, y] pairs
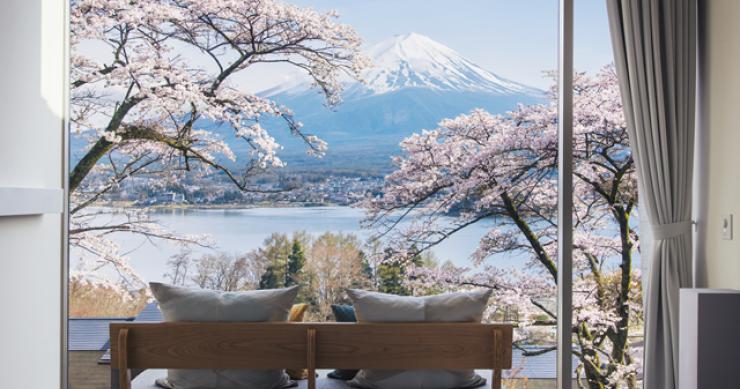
{"points": [[606, 278]]}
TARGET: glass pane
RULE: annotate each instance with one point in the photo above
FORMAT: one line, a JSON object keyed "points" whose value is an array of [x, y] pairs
{"points": [[411, 149], [607, 286]]}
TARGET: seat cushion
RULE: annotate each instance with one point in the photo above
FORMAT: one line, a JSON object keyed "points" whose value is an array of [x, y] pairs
{"points": [[202, 305], [343, 314], [450, 307], [146, 381]]}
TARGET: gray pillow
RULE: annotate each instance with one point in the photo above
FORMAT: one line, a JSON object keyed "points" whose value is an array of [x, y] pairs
{"points": [[449, 307], [186, 304]]}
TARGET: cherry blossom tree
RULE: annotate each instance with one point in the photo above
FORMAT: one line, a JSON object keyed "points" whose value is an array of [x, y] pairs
{"points": [[148, 105], [480, 167]]}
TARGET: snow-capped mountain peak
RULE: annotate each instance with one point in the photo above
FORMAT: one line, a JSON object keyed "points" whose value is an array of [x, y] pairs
{"points": [[417, 61]]}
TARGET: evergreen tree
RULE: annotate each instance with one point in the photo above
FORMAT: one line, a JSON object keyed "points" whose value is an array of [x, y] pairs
{"points": [[390, 279], [392, 274], [274, 254], [367, 268], [296, 260], [269, 279]]}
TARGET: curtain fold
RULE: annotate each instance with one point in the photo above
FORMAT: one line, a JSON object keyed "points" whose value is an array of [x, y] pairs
{"points": [[655, 55]]}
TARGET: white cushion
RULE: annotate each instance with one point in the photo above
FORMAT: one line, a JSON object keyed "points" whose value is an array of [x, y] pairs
{"points": [[146, 380], [449, 307], [186, 304]]}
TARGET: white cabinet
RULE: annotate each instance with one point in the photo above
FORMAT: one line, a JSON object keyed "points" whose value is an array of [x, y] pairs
{"points": [[709, 339]]}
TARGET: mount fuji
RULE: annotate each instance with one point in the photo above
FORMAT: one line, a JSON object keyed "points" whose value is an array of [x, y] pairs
{"points": [[416, 61], [413, 83]]}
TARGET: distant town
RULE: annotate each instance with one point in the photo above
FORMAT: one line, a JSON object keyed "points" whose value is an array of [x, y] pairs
{"points": [[292, 189]]}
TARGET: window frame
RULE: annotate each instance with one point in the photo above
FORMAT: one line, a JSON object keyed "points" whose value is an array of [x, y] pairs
{"points": [[565, 199], [565, 196]]}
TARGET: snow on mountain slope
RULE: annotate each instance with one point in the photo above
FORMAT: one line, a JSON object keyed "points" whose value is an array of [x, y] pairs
{"points": [[416, 61], [415, 83]]}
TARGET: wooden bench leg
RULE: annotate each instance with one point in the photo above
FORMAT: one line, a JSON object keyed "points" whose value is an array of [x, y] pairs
{"points": [[496, 379], [498, 344], [311, 357], [124, 374]]}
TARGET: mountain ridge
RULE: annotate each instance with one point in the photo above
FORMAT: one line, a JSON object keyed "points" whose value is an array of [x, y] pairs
{"points": [[414, 61], [415, 83]]}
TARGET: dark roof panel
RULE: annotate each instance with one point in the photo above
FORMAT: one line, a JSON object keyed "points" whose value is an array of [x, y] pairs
{"points": [[150, 313], [542, 366], [90, 334]]}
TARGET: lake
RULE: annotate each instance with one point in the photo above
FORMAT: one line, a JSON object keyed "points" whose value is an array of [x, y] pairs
{"points": [[242, 230]]}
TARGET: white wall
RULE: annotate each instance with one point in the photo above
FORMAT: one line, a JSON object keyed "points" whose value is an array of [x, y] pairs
{"points": [[718, 172], [32, 93]]}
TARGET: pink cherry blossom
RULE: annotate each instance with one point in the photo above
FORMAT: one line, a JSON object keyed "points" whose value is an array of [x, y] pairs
{"points": [[147, 105], [503, 168]]}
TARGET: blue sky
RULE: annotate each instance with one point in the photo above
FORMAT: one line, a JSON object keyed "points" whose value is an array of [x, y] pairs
{"points": [[516, 39]]}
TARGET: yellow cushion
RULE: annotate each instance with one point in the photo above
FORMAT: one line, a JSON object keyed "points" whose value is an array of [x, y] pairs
{"points": [[297, 312]]}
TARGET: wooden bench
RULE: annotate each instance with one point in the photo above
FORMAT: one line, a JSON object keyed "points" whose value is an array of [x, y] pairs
{"points": [[191, 345]]}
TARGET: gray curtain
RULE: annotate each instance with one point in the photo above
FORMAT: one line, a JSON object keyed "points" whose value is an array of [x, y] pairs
{"points": [[655, 54]]}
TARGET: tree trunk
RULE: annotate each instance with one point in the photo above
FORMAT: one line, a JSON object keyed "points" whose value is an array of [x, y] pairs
{"points": [[620, 337], [101, 147]]}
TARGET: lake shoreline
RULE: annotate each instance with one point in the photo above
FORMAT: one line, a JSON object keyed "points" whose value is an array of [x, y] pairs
{"points": [[226, 206], [240, 229]]}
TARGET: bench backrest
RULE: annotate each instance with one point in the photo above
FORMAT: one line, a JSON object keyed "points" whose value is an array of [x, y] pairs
{"points": [[190, 345]]}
